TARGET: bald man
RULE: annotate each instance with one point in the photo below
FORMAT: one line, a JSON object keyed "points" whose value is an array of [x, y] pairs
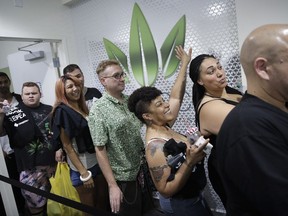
{"points": [[252, 145]]}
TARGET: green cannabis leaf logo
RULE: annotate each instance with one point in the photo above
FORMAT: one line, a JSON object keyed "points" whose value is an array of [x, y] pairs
{"points": [[142, 50]]}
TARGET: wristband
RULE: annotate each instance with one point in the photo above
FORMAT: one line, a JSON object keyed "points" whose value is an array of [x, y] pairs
{"points": [[87, 178]]}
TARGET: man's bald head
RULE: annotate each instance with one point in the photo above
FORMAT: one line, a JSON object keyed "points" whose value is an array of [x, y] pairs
{"points": [[268, 41], [264, 58]]}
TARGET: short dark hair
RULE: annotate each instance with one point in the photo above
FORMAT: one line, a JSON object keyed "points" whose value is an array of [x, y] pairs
{"points": [[3, 74], [71, 67], [140, 100]]}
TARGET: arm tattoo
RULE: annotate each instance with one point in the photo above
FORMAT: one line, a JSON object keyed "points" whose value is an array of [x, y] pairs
{"points": [[154, 147], [158, 172]]}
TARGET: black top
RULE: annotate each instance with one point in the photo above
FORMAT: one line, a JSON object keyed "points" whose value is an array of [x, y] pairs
{"points": [[91, 93], [212, 161], [17, 96], [75, 126], [197, 180], [252, 151], [195, 184], [29, 134], [90, 96]]}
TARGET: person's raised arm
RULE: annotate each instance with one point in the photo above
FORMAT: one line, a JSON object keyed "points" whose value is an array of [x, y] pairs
{"points": [[178, 89], [115, 194]]}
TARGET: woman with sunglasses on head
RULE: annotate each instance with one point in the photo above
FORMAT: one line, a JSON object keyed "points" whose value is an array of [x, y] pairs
{"points": [[213, 99], [71, 131], [184, 184]]}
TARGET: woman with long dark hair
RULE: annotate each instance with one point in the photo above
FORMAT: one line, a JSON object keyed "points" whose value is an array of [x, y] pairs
{"points": [[213, 99]]}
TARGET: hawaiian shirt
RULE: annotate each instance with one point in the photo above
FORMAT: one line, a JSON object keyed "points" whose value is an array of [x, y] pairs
{"points": [[114, 126]]}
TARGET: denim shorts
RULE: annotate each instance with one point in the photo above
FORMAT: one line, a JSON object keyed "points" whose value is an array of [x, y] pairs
{"points": [[185, 207], [75, 176], [165, 205]]}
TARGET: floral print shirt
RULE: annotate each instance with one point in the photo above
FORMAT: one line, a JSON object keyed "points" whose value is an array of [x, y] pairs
{"points": [[114, 126]]}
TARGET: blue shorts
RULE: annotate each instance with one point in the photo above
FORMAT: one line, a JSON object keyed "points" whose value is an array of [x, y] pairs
{"points": [[75, 176]]}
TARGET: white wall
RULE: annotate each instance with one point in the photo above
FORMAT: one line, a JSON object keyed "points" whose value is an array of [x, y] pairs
{"points": [[8, 47], [40, 71], [251, 14], [38, 19]]}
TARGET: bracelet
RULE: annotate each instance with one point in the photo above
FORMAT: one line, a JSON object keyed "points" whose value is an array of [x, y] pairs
{"points": [[87, 178]]}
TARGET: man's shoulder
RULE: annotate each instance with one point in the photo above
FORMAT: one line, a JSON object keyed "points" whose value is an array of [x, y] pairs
{"points": [[42, 108], [17, 96], [92, 89], [91, 93], [47, 105], [99, 104]]}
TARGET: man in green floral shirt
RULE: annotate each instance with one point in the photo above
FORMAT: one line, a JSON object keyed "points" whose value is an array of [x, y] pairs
{"points": [[116, 135]]}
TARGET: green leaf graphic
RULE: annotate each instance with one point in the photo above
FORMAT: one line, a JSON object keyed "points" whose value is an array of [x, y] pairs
{"points": [[142, 50], [115, 53], [175, 37]]}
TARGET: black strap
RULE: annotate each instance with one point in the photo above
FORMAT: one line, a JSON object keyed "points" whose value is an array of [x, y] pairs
{"points": [[60, 199], [214, 98]]}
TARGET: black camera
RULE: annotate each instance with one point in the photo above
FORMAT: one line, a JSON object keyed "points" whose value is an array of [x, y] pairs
{"points": [[176, 161], [175, 153]]}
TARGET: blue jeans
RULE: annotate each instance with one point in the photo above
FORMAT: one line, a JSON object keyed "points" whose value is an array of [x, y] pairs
{"points": [[189, 207], [165, 205], [75, 176]]}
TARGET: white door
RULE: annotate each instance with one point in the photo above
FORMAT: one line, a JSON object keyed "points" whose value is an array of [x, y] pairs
{"points": [[41, 71]]}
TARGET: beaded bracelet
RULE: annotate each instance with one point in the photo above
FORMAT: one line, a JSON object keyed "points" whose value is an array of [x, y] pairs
{"points": [[87, 178]]}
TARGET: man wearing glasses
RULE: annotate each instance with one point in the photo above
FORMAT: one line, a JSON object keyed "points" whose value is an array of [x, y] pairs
{"points": [[116, 135]]}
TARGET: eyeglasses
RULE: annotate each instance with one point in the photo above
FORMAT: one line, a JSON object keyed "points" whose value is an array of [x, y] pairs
{"points": [[117, 76]]}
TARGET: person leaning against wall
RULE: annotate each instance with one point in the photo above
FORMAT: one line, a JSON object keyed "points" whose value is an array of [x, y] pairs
{"points": [[183, 186], [213, 99], [71, 131], [116, 135], [27, 126], [252, 145], [13, 100]]}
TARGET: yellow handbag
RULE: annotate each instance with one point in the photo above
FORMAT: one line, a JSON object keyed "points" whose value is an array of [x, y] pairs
{"points": [[61, 185]]}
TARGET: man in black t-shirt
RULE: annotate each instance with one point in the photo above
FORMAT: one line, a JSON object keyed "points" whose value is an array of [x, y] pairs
{"points": [[252, 145], [28, 129]]}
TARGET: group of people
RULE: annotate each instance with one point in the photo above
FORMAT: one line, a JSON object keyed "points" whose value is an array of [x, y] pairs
{"points": [[101, 140]]}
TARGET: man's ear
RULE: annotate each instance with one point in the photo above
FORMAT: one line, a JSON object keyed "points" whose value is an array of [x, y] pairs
{"points": [[262, 68], [102, 80]]}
